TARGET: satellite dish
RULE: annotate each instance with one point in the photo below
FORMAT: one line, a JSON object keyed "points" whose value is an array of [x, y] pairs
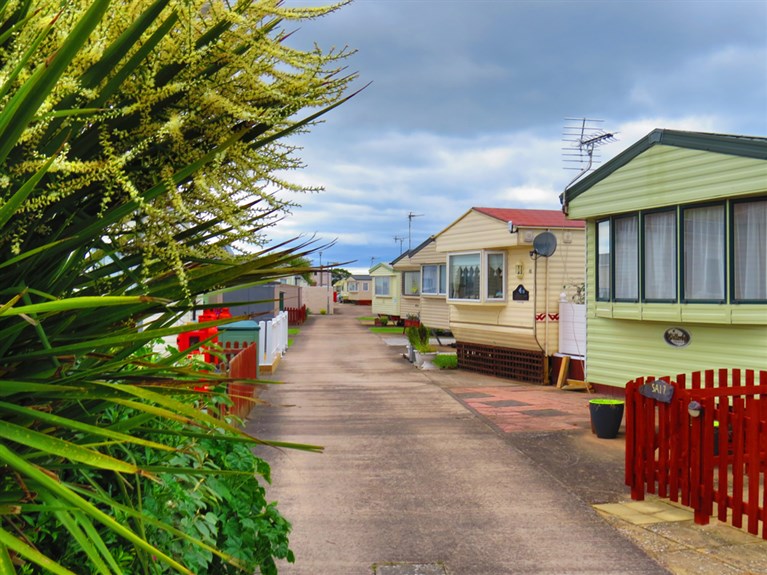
{"points": [[545, 244]]}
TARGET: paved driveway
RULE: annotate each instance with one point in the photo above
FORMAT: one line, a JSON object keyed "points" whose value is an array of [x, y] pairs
{"points": [[411, 481]]}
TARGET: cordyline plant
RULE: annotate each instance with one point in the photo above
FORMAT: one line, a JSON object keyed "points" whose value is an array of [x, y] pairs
{"points": [[137, 142]]}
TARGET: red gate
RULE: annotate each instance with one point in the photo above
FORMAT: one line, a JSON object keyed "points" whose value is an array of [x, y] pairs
{"points": [[701, 440]]}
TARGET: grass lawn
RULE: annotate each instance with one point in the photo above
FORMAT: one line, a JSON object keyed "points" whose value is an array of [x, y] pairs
{"points": [[446, 361], [293, 330], [387, 329]]}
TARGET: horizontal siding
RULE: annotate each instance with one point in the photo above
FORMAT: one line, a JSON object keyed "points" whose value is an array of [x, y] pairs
{"points": [[475, 231], [667, 176], [409, 305], [385, 305], [619, 351], [435, 312], [428, 255], [501, 336]]}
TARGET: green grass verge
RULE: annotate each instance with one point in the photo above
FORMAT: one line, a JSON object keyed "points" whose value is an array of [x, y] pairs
{"points": [[293, 330], [446, 361], [387, 329]]}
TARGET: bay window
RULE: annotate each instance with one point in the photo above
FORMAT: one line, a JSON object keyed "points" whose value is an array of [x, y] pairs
{"points": [[476, 276], [711, 253]]}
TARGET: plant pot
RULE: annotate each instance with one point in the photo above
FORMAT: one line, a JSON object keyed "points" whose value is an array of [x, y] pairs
{"points": [[410, 353], [606, 417], [427, 360], [417, 358]]}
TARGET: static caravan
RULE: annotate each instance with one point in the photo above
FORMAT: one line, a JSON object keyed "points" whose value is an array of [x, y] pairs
{"points": [[506, 272], [410, 286], [676, 230], [356, 289], [424, 281], [386, 291]]}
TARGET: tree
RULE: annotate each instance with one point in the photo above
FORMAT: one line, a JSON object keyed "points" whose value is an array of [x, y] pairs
{"points": [[139, 140], [339, 274]]}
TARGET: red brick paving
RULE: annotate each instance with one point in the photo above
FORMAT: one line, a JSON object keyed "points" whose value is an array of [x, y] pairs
{"points": [[528, 409]]}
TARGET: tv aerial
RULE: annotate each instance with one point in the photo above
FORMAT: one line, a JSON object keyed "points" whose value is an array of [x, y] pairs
{"points": [[410, 217], [584, 136], [399, 239]]}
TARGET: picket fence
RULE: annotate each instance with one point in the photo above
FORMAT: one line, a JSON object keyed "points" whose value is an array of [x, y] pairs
{"points": [[701, 440]]}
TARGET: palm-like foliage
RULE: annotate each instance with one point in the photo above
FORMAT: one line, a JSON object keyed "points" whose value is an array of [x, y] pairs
{"points": [[131, 136]]}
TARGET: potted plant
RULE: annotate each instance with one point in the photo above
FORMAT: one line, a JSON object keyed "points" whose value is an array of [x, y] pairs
{"points": [[382, 321], [412, 320], [418, 337]]}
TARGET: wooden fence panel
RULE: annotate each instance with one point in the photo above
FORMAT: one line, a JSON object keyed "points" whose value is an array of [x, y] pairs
{"points": [[715, 460]]}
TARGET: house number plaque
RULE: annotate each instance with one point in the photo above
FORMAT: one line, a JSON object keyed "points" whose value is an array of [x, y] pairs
{"points": [[657, 389], [677, 337]]}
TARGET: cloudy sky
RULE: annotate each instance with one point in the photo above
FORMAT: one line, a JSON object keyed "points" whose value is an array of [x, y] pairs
{"points": [[469, 99]]}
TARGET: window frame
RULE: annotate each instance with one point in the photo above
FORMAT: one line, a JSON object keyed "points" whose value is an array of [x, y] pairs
{"points": [[634, 298], [726, 252], [504, 275], [388, 286], [417, 284], [643, 255], [597, 276], [732, 268], [441, 280], [483, 256], [683, 255]]}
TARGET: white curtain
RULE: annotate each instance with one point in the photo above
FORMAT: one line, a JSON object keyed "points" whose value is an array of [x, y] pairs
{"points": [[660, 256], [750, 250], [626, 254], [704, 253]]}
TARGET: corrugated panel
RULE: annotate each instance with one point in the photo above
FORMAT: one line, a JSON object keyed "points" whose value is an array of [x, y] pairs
{"points": [[435, 312], [619, 351], [667, 176]]}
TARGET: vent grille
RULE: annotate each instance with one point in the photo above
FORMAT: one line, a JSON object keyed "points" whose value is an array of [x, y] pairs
{"points": [[518, 364]]}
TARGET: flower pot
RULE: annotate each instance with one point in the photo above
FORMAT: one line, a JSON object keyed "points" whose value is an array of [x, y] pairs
{"points": [[417, 358], [606, 417], [427, 360]]}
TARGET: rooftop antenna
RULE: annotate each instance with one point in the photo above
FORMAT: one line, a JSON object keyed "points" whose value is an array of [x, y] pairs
{"points": [[410, 217], [583, 136], [372, 259], [399, 239]]}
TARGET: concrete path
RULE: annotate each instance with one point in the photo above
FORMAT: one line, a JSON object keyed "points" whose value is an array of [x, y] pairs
{"points": [[412, 482]]}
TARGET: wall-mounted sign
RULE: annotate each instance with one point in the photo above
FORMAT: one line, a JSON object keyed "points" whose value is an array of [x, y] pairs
{"points": [[520, 294], [677, 337], [657, 389]]}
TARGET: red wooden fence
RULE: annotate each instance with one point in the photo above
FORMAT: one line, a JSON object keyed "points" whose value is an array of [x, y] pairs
{"points": [[296, 315], [714, 461], [243, 365]]}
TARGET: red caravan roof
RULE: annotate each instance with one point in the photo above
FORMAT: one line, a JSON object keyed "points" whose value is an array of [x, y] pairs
{"points": [[532, 218]]}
